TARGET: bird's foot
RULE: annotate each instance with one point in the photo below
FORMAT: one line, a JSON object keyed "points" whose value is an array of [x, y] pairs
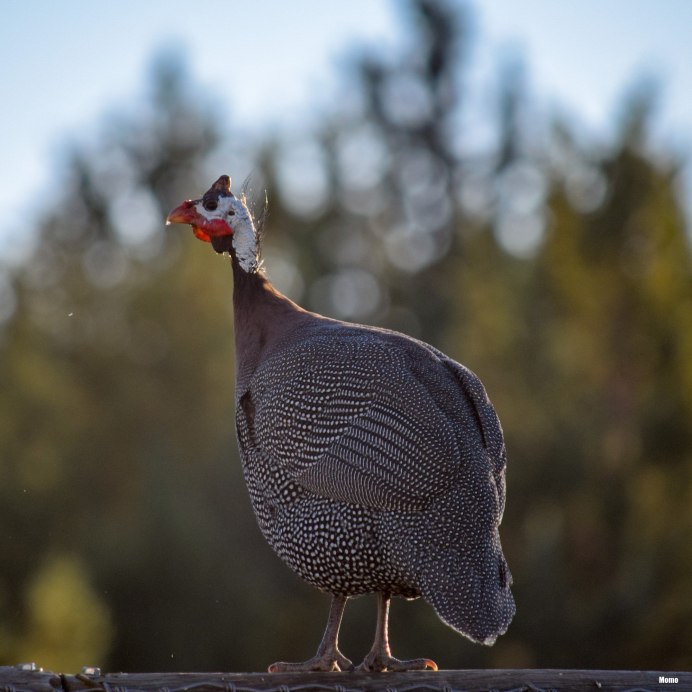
{"points": [[328, 661], [379, 661]]}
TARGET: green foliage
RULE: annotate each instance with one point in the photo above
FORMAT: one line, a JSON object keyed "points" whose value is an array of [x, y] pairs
{"points": [[560, 273], [60, 600]]}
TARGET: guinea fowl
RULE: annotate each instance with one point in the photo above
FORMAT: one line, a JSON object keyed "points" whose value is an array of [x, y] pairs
{"points": [[374, 462]]}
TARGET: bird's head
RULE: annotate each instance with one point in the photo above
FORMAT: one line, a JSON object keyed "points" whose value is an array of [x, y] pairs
{"points": [[222, 219]]}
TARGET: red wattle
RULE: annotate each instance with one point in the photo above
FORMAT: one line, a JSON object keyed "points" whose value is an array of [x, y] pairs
{"points": [[199, 233]]}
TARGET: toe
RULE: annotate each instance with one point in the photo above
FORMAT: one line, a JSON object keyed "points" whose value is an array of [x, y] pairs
{"points": [[333, 661], [379, 664], [394, 664]]}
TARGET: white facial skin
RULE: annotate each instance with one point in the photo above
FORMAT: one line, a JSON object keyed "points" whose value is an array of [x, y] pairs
{"points": [[233, 211]]}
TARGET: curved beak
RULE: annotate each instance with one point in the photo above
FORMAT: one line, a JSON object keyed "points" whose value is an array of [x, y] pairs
{"points": [[183, 213]]}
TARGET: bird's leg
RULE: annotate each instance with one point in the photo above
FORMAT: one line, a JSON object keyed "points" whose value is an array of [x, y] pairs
{"points": [[328, 656], [380, 657]]}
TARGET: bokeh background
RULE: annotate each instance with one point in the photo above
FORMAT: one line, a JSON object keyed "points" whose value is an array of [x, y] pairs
{"points": [[428, 168]]}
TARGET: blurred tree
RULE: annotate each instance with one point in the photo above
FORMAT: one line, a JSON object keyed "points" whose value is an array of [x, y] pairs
{"points": [[383, 207], [614, 279], [100, 369], [60, 601]]}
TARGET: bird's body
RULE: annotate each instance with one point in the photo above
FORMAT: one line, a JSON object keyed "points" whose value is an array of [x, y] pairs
{"points": [[374, 463]]}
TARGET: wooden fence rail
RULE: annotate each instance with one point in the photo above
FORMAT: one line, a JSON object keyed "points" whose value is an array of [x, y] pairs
{"points": [[28, 678]]}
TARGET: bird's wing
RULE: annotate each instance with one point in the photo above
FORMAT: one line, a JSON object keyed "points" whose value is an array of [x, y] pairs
{"points": [[356, 419]]}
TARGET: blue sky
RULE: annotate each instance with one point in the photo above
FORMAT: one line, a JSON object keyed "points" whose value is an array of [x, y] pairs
{"points": [[63, 65]]}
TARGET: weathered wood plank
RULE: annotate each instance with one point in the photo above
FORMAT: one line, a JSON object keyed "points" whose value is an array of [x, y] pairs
{"points": [[26, 677], [13, 680]]}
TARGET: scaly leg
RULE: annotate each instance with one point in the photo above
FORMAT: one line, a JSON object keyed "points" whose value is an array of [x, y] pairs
{"points": [[380, 657], [328, 656]]}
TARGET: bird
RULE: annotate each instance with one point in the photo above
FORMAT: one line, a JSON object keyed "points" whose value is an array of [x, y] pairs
{"points": [[374, 462]]}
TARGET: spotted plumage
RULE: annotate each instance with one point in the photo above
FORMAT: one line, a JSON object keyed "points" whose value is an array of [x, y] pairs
{"points": [[372, 460], [374, 463]]}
